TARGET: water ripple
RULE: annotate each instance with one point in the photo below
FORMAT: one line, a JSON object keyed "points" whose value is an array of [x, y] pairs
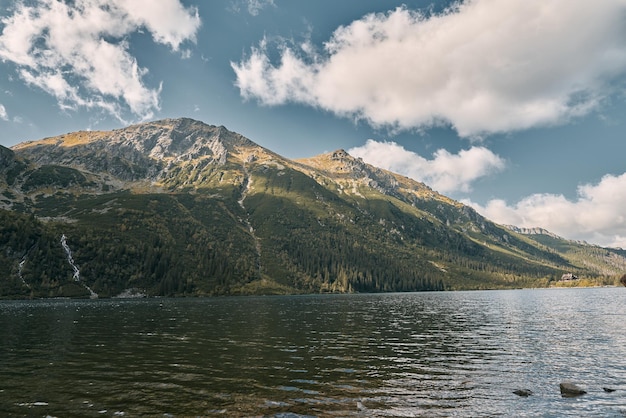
{"points": [[426, 354]]}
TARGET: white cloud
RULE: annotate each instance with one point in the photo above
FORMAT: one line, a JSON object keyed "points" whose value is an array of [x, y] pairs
{"points": [[3, 112], [596, 216], [483, 66], [445, 173], [254, 7], [78, 52], [169, 22]]}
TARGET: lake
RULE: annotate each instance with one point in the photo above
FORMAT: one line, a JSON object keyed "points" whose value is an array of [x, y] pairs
{"points": [[408, 354]]}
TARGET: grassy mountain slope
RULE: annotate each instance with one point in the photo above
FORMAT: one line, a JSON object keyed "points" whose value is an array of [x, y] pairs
{"points": [[177, 207]]}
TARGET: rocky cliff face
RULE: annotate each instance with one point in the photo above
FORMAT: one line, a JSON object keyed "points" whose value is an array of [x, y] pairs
{"points": [[354, 176], [351, 173], [141, 152], [531, 231]]}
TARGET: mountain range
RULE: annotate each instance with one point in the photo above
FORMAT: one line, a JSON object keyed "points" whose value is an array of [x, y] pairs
{"points": [[178, 207]]}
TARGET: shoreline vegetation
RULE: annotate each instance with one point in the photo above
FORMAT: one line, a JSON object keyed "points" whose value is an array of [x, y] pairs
{"points": [[284, 291]]}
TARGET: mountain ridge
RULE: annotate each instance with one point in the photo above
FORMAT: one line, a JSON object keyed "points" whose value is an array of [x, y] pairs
{"points": [[532, 231], [179, 207]]}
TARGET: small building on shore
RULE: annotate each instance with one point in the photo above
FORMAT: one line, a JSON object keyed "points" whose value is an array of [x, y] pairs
{"points": [[568, 277]]}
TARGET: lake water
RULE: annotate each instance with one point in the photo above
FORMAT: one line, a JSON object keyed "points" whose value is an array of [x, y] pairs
{"points": [[416, 354]]}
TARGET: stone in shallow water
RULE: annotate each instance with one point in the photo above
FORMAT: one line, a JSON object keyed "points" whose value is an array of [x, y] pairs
{"points": [[609, 390], [570, 389], [523, 392]]}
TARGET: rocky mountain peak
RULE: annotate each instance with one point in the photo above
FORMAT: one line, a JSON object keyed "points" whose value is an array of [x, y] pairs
{"points": [[352, 172], [139, 151], [340, 154], [338, 162], [180, 139]]}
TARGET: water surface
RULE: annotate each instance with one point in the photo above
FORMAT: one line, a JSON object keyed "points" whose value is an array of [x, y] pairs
{"points": [[415, 354]]}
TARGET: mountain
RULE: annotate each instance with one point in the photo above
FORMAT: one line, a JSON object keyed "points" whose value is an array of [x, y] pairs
{"points": [[178, 207]]}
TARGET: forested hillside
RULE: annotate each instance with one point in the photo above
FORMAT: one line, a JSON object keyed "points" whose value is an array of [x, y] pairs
{"points": [[177, 207]]}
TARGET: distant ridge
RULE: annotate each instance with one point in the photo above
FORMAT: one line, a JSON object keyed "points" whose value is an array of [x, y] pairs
{"points": [[532, 231]]}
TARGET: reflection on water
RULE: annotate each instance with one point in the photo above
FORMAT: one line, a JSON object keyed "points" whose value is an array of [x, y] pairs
{"points": [[419, 354]]}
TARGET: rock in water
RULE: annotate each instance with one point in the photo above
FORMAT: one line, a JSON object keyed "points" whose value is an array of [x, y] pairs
{"points": [[523, 392], [608, 390], [570, 389]]}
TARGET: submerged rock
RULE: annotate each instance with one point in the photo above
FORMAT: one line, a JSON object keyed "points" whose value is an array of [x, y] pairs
{"points": [[523, 392], [570, 389], [608, 390]]}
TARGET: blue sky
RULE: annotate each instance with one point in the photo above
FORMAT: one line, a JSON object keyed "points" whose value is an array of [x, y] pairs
{"points": [[515, 107]]}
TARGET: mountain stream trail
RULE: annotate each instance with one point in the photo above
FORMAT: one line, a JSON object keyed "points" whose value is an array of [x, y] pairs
{"points": [[70, 260]]}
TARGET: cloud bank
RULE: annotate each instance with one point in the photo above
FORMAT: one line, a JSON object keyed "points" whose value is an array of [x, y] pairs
{"points": [[482, 66], [597, 215], [445, 173], [78, 51]]}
